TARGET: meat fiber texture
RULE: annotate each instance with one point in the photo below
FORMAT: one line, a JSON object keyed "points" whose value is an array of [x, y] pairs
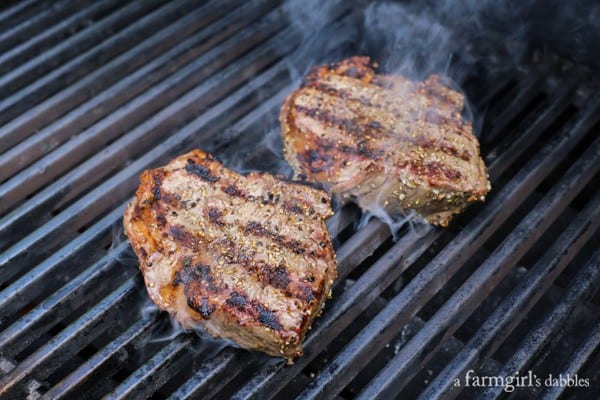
{"points": [[384, 141], [247, 258]]}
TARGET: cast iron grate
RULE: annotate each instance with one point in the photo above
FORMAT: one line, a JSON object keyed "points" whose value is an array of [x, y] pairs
{"points": [[95, 92]]}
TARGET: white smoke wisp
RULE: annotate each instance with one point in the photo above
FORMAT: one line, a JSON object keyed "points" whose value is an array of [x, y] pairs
{"points": [[410, 44], [309, 19], [413, 222], [119, 247], [168, 329]]}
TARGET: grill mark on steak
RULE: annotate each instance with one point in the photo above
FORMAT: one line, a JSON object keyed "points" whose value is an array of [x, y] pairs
{"points": [[195, 273], [317, 160], [240, 304], [200, 171], [307, 294], [352, 127], [234, 191], [237, 300], [252, 227], [161, 220], [204, 307], [172, 200], [270, 199], [197, 279], [157, 179], [267, 317], [436, 169], [258, 229], [369, 127], [196, 276], [294, 208], [278, 277], [215, 216], [183, 237], [431, 91], [343, 94]]}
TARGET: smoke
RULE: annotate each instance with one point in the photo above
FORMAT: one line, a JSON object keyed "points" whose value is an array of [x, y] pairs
{"points": [[320, 37], [166, 330], [403, 42], [416, 226]]}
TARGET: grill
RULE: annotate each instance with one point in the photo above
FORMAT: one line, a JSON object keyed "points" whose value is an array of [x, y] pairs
{"points": [[93, 92]]}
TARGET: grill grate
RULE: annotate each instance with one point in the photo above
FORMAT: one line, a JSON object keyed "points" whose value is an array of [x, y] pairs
{"points": [[95, 92]]}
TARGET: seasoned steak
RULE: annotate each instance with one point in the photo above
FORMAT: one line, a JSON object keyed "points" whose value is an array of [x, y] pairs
{"points": [[384, 141], [246, 257]]}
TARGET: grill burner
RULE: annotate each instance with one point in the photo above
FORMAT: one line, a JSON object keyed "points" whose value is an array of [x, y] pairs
{"points": [[95, 92]]}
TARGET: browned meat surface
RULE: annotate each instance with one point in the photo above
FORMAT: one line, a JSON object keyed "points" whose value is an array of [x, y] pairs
{"points": [[246, 257], [384, 141]]}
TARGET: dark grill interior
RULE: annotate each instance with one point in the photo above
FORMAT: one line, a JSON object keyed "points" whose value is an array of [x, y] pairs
{"points": [[95, 92]]}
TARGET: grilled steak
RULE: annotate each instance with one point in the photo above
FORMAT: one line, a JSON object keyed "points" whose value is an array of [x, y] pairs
{"points": [[247, 257], [384, 141]]}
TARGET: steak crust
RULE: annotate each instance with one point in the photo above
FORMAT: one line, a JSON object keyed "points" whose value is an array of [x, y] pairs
{"points": [[384, 141], [248, 257]]}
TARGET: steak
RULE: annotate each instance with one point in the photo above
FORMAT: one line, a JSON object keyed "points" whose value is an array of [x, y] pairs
{"points": [[248, 258], [384, 141]]}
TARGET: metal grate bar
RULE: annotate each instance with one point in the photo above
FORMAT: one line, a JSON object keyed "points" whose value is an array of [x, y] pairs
{"points": [[86, 288], [505, 154], [99, 363], [36, 23], [582, 287], [52, 34], [213, 375], [525, 94], [494, 89], [49, 82], [60, 348], [518, 303], [11, 14], [574, 365], [360, 246], [473, 291], [45, 277], [147, 72], [153, 374], [403, 307]]}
